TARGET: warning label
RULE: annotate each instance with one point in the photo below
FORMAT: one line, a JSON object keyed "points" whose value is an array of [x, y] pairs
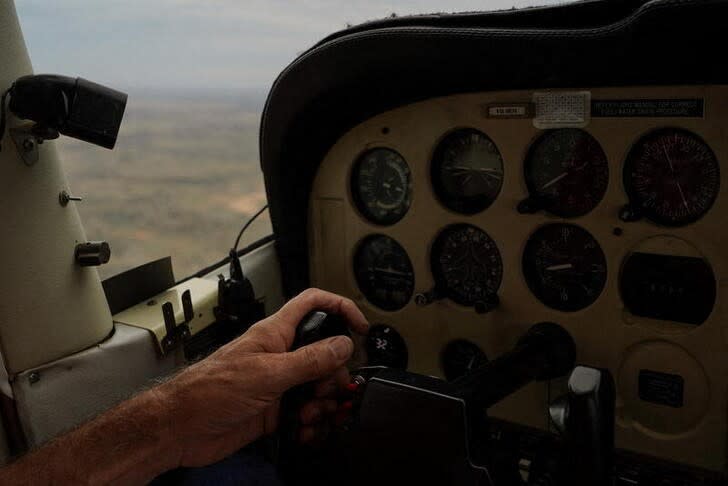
{"points": [[689, 108]]}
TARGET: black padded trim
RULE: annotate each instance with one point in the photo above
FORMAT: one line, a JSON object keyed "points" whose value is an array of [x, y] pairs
{"points": [[358, 73]]}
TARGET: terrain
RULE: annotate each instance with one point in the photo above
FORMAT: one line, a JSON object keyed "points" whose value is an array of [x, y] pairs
{"points": [[182, 180]]}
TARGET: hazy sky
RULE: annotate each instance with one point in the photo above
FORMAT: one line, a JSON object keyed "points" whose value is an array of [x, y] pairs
{"points": [[194, 45]]}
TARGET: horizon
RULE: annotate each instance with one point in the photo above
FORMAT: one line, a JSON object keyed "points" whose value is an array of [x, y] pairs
{"points": [[181, 46]]}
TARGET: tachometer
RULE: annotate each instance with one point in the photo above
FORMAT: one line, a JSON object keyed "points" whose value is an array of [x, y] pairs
{"points": [[671, 177], [384, 272], [467, 266], [564, 266], [381, 186], [467, 171], [566, 173]]}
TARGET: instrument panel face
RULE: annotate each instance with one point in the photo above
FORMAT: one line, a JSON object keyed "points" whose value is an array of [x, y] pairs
{"points": [[467, 171], [566, 172], [455, 231]]}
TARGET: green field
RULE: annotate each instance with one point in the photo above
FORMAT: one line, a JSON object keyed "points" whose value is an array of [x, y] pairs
{"points": [[183, 178]]}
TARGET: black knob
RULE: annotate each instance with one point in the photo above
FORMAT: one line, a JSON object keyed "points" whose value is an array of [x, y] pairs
{"points": [[93, 253], [317, 326]]}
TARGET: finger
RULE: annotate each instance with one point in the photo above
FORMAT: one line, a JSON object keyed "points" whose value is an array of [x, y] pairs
{"points": [[329, 387], [308, 434], [314, 411], [315, 299], [311, 362], [312, 434]]}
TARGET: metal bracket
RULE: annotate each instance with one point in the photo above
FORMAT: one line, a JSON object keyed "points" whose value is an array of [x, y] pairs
{"points": [[177, 333], [27, 143]]}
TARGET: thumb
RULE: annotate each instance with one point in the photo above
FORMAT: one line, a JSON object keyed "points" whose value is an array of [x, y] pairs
{"points": [[314, 361]]}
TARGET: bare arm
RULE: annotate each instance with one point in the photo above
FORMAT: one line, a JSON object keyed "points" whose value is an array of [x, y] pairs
{"points": [[129, 444], [205, 413]]}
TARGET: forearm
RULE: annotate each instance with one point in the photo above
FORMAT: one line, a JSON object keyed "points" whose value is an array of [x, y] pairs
{"points": [[130, 444]]}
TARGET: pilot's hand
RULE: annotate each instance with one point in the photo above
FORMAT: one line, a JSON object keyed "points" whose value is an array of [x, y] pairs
{"points": [[232, 397]]}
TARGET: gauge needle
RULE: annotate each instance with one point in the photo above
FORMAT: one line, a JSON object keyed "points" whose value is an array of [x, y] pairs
{"points": [[667, 156], [554, 180], [391, 271], [563, 266], [682, 195], [385, 185], [494, 173]]}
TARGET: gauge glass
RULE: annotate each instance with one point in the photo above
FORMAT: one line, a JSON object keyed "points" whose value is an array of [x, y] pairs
{"points": [[460, 357], [567, 171], [564, 267], [466, 264], [384, 272], [467, 171], [672, 177], [381, 186]]}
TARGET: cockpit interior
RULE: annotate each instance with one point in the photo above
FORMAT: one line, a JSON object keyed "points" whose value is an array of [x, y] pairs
{"points": [[526, 205]]}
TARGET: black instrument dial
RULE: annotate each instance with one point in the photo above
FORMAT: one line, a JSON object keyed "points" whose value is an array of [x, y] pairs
{"points": [[384, 272], [566, 173], [381, 186], [564, 266], [386, 347], [467, 171], [460, 357], [467, 265], [671, 177]]}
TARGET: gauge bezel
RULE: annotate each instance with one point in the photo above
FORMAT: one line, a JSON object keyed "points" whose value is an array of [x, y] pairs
{"points": [[438, 277], [632, 194], [527, 265], [358, 201], [528, 165], [355, 261], [466, 206]]}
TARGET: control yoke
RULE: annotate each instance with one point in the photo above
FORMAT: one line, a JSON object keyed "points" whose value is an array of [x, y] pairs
{"points": [[407, 428]]}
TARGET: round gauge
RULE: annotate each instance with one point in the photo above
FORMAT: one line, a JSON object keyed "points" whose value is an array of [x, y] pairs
{"points": [[564, 267], [566, 172], [671, 177], [381, 186], [384, 272], [386, 347], [467, 265], [467, 171], [460, 357]]}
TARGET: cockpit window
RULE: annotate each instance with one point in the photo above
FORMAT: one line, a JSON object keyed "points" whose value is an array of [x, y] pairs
{"points": [[185, 173]]}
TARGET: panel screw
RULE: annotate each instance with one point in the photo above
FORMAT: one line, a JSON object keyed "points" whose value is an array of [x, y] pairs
{"points": [[28, 144], [34, 377], [64, 198]]}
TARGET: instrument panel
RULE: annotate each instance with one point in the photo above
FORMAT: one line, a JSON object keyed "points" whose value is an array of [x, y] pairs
{"points": [[455, 231]]}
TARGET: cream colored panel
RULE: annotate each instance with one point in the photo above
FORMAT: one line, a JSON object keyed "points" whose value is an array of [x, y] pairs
{"points": [[61, 395], [606, 335], [49, 306], [148, 315]]}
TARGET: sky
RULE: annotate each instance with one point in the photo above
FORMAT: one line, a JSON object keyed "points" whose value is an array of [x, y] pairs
{"points": [[203, 45]]}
